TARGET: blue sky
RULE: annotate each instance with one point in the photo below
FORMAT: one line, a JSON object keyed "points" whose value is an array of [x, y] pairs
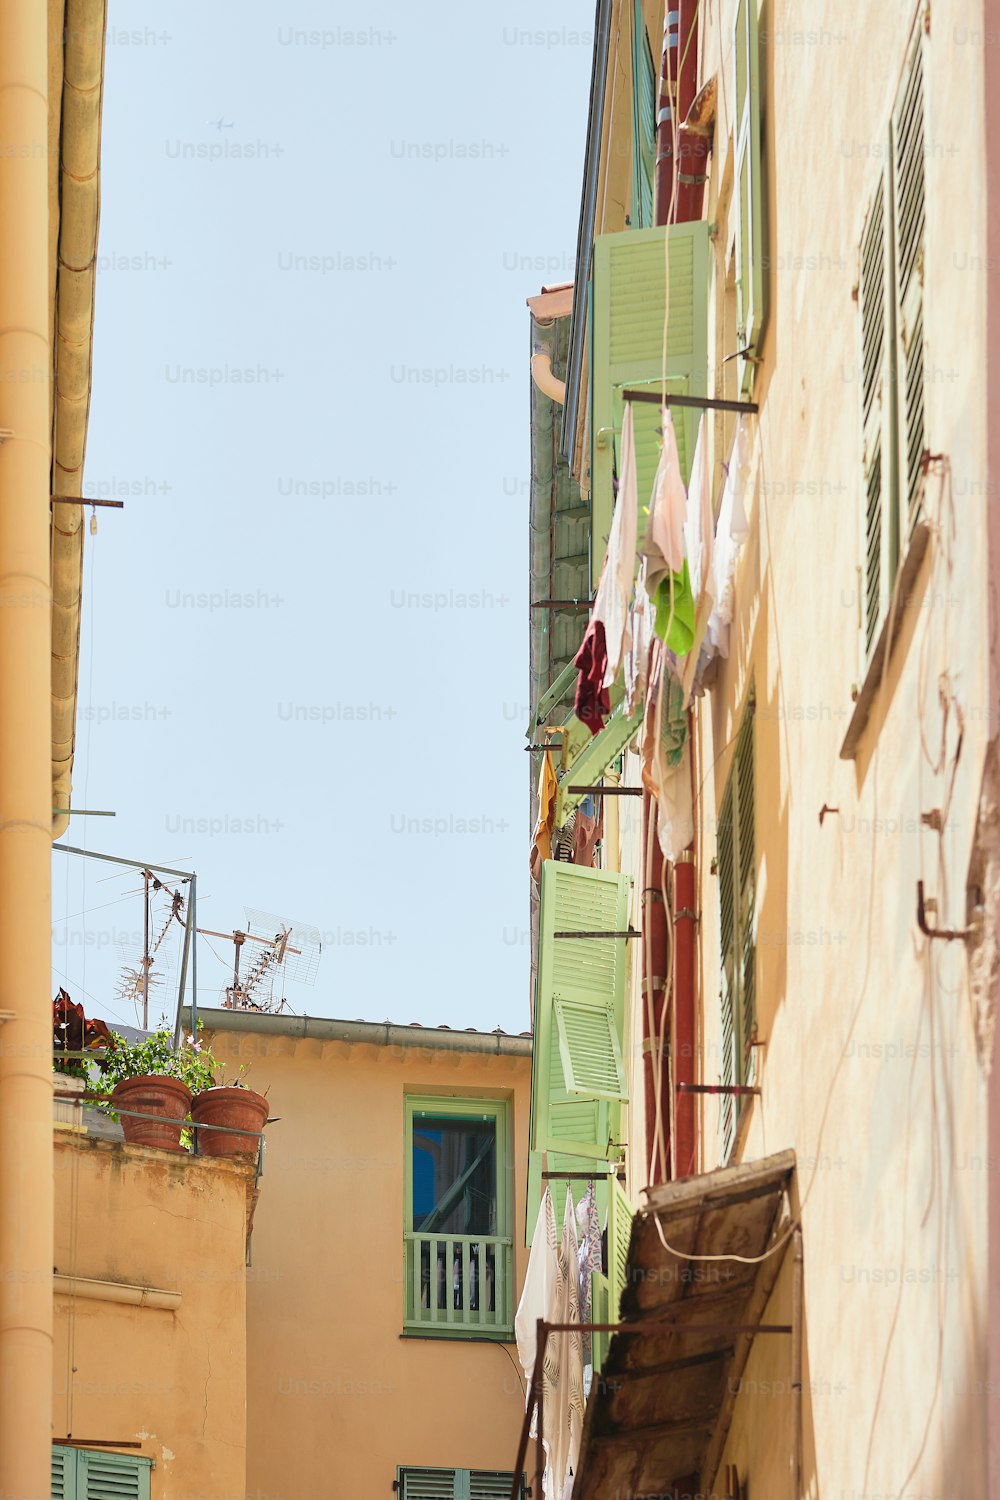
{"points": [[303, 666]]}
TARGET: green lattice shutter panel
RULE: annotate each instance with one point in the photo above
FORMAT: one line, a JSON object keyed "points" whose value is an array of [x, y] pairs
{"points": [[908, 178], [578, 1082], [746, 871], [111, 1476], [64, 1473], [643, 123], [729, 970], [629, 306], [878, 408], [620, 1217], [489, 1484], [749, 193], [433, 1484]]}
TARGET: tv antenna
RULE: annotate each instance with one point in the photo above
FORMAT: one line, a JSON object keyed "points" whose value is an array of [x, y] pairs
{"points": [[138, 979], [283, 950]]}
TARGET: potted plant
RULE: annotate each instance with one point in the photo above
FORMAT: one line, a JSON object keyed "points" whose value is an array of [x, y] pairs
{"points": [[232, 1107], [73, 1036], [151, 1078]]}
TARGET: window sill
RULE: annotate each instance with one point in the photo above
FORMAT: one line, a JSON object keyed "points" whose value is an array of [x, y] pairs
{"points": [[886, 644], [462, 1336]]}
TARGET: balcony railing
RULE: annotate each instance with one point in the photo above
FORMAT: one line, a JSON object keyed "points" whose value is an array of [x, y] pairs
{"points": [[458, 1284]]}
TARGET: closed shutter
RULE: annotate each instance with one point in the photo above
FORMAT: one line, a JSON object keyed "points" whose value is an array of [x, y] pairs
{"points": [[63, 1474], [490, 1484], [878, 406], [430, 1484], [908, 178], [643, 123], [628, 316], [736, 862], [728, 970], [578, 1078], [749, 193], [111, 1476]]}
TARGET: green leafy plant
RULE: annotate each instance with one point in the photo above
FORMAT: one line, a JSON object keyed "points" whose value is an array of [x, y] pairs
{"points": [[192, 1063]]}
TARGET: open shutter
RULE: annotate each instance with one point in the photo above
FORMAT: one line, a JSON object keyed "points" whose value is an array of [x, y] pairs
{"points": [[579, 977], [643, 123], [64, 1473], [728, 970], [878, 408], [431, 1484], [587, 756], [908, 181], [620, 1216], [749, 192], [629, 305], [111, 1476]]}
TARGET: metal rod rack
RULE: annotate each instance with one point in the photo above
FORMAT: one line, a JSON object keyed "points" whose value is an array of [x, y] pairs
{"points": [[699, 403], [631, 933]]}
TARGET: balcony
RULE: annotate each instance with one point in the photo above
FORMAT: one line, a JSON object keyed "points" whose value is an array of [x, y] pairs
{"points": [[458, 1284]]}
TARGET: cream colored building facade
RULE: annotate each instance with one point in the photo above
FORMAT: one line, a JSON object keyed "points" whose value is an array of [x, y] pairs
{"points": [[862, 656]]}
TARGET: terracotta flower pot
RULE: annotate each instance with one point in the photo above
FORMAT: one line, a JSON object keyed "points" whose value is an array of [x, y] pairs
{"points": [[153, 1094], [236, 1109]]}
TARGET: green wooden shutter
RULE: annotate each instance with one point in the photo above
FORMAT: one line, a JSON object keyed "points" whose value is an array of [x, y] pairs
{"points": [[750, 286], [112, 1476], [736, 862], [908, 179], [728, 969], [431, 1484], [620, 1216], [627, 323], [63, 1474], [490, 1484], [577, 976], [587, 756], [643, 123], [878, 409]]}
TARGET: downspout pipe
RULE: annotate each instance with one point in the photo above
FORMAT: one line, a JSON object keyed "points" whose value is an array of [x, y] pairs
{"points": [[547, 383], [26, 1176]]}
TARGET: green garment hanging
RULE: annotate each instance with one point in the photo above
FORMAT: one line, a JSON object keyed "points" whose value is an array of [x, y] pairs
{"points": [[681, 634]]}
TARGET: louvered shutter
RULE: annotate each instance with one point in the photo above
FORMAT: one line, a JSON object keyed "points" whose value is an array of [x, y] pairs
{"points": [[749, 192], [643, 123], [736, 863], [431, 1484], [878, 407], [64, 1473], [490, 1484], [620, 1216], [746, 874], [628, 316], [578, 1080], [908, 181], [728, 969], [111, 1476], [587, 756]]}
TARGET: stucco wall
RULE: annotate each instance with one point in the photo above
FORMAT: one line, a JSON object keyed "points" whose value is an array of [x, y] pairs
{"points": [[172, 1380], [336, 1397]]}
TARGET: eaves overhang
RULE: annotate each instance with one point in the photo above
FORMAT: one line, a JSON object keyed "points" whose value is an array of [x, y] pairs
{"points": [[662, 1408]]}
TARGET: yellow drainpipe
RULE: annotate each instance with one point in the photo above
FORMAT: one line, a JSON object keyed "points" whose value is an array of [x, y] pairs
{"points": [[26, 1179]]}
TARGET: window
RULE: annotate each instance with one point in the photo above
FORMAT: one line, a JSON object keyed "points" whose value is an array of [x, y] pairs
{"points": [[890, 299], [737, 871], [643, 123], [83, 1474], [454, 1484], [457, 1232]]}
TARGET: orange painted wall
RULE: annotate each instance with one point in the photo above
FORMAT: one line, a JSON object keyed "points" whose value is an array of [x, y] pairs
{"points": [[336, 1397], [172, 1380]]}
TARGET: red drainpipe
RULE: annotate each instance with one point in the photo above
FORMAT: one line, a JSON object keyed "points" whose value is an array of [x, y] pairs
{"points": [[680, 24], [654, 971]]}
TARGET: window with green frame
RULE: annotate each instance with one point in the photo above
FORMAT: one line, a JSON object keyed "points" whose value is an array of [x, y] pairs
{"points": [[457, 1240]]}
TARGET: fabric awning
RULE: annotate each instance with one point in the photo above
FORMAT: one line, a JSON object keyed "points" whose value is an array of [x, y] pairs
{"points": [[662, 1407]]}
